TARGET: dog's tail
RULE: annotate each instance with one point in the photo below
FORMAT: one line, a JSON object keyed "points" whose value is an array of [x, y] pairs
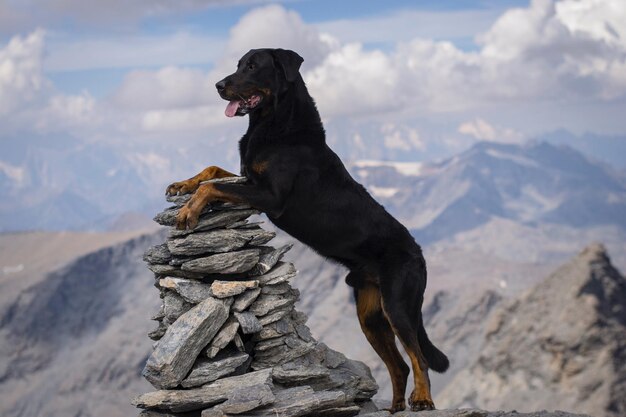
{"points": [[437, 360]]}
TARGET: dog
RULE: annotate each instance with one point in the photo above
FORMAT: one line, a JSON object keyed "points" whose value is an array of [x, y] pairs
{"points": [[305, 190]]}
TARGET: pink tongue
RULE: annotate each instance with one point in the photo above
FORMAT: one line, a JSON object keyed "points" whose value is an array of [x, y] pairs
{"points": [[231, 108]]}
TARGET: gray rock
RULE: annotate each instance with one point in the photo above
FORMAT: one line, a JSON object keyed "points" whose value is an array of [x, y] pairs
{"points": [[248, 322], [269, 259], [301, 401], [269, 343], [190, 290], [271, 302], [243, 400], [158, 254], [351, 410], [223, 337], [275, 316], [214, 220], [280, 273], [275, 329], [281, 354], [208, 370], [206, 396], [224, 263], [277, 288], [152, 413], [161, 270], [167, 217], [220, 240], [174, 306], [304, 332], [158, 333], [223, 289], [291, 374], [178, 349], [245, 300]]}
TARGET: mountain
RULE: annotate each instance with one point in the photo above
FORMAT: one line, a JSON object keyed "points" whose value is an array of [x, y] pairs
{"points": [[74, 343], [62, 183], [560, 344], [531, 184]]}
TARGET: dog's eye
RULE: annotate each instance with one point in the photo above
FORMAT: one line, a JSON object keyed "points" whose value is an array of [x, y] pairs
{"points": [[251, 66]]}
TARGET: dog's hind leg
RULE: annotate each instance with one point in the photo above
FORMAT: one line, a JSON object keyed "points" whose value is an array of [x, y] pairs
{"points": [[380, 335], [402, 296], [192, 184]]}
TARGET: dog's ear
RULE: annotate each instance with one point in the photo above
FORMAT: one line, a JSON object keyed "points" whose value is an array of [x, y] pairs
{"points": [[289, 61]]}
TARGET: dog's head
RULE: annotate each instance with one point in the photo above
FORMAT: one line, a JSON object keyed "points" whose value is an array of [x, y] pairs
{"points": [[261, 74]]}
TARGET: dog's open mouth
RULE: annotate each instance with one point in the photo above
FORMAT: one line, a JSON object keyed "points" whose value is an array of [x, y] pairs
{"points": [[242, 105]]}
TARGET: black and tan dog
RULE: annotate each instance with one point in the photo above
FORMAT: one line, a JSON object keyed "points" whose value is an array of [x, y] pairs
{"points": [[304, 188]]}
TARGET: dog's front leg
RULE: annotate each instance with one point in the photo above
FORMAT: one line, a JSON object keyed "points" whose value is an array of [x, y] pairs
{"points": [[192, 184]]}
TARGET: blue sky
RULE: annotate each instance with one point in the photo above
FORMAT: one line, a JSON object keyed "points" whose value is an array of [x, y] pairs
{"points": [[425, 75]]}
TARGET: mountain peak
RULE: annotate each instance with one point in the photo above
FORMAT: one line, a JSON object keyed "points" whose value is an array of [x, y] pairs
{"points": [[561, 342]]}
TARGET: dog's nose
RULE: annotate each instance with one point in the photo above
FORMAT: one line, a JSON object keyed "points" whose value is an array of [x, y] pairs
{"points": [[220, 85]]}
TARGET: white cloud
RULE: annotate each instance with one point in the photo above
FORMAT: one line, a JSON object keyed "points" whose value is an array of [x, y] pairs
{"points": [[28, 99], [280, 28], [482, 130], [21, 79], [549, 55]]}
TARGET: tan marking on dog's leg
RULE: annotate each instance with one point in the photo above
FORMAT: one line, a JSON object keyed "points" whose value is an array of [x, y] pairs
{"points": [[379, 334], [192, 184], [188, 215]]}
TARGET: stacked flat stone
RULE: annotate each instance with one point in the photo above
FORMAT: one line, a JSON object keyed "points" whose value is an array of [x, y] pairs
{"points": [[229, 340]]}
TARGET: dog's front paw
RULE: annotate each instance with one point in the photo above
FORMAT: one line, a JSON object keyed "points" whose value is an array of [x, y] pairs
{"points": [[182, 187], [187, 218]]}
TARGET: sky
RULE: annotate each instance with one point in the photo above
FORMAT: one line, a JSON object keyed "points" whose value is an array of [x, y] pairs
{"points": [[428, 74]]}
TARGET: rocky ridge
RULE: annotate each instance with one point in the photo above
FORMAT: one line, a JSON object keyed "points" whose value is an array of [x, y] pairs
{"points": [[229, 340], [562, 342]]}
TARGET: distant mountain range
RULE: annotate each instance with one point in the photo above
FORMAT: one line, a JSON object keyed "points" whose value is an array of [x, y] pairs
{"points": [[65, 184], [528, 184]]}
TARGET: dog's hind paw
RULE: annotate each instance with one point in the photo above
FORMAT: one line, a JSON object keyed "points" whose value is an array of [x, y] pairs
{"points": [[420, 405]]}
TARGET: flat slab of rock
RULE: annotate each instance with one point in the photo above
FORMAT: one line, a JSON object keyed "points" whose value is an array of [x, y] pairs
{"points": [[300, 401], [242, 400], [223, 289], [158, 254], [204, 397], [280, 273], [166, 270], [245, 299], [214, 220], [221, 240], [209, 370], [192, 291], [271, 302], [292, 349], [226, 335], [224, 263], [270, 258], [176, 352], [278, 328], [248, 322]]}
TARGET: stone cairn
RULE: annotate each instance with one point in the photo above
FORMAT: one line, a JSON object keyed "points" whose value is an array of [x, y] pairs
{"points": [[229, 340]]}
